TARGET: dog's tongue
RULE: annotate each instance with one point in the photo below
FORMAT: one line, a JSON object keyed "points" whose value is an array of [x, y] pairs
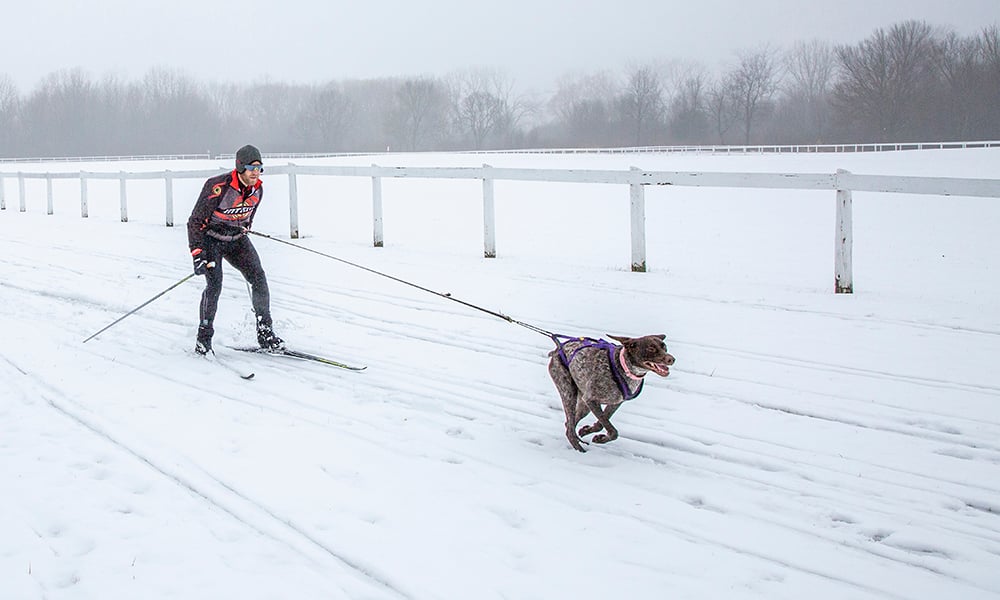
{"points": [[659, 369]]}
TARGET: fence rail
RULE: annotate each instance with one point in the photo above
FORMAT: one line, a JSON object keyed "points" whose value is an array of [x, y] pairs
{"points": [[710, 149], [134, 157], [842, 182], [761, 149]]}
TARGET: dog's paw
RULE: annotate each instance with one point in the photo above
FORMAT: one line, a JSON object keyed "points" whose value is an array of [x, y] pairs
{"points": [[577, 443], [589, 429], [603, 439]]}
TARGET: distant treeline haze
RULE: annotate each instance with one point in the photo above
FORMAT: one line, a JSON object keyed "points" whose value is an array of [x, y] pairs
{"points": [[909, 82]]}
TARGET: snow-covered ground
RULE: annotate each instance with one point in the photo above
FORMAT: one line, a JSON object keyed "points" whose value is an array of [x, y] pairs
{"points": [[806, 444]]}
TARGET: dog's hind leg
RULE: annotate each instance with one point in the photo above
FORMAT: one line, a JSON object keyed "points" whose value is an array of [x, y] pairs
{"points": [[603, 420], [569, 394], [596, 425]]}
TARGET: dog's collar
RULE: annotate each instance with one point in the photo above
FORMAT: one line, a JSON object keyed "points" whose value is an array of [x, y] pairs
{"points": [[628, 372]]}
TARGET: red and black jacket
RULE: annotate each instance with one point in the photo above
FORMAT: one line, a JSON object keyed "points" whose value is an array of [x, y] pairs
{"points": [[224, 210]]}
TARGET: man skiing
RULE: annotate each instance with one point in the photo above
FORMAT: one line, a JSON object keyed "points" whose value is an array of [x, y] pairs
{"points": [[218, 229]]}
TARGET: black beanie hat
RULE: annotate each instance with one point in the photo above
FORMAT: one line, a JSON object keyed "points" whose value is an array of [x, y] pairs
{"points": [[246, 155]]}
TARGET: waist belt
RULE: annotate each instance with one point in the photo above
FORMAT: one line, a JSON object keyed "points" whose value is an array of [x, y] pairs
{"points": [[223, 237]]}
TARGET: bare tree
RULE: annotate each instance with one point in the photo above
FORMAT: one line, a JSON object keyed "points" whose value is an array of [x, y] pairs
{"points": [[752, 84], [642, 105], [373, 100], [989, 42], [118, 122], [419, 117], [326, 119], [583, 109], [511, 109], [272, 109], [477, 105], [880, 79], [267, 112], [689, 120], [721, 107], [989, 51], [60, 113], [810, 67], [957, 63], [9, 105], [477, 114], [166, 98]]}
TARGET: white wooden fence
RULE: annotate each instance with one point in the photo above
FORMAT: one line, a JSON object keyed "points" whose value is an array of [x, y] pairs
{"points": [[842, 183], [706, 149], [760, 148]]}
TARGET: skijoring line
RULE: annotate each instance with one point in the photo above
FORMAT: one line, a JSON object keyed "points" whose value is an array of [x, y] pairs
{"points": [[446, 296]]}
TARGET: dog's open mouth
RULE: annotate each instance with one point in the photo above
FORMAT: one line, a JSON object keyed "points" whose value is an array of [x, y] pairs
{"points": [[659, 368]]}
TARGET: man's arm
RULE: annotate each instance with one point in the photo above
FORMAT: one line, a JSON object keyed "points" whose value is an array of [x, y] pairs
{"points": [[199, 216], [260, 192]]}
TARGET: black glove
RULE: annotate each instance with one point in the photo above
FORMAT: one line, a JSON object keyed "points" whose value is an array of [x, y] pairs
{"points": [[201, 266]]}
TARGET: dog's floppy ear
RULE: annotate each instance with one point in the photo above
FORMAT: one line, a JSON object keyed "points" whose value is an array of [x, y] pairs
{"points": [[620, 338], [662, 336]]}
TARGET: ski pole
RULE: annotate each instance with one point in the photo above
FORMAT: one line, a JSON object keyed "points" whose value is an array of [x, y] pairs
{"points": [[136, 309]]}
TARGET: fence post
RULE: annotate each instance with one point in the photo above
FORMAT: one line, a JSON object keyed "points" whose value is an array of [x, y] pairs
{"points": [[84, 210], [637, 213], [168, 182], [293, 203], [20, 186], [377, 209], [124, 200], [843, 270], [48, 193], [489, 215]]}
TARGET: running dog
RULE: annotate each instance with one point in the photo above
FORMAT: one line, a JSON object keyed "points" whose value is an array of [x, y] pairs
{"points": [[593, 374]]}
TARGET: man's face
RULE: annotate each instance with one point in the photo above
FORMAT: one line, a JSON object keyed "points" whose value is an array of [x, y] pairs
{"points": [[251, 174]]}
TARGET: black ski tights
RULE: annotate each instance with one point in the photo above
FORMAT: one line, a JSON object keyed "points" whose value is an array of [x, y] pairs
{"points": [[243, 256]]}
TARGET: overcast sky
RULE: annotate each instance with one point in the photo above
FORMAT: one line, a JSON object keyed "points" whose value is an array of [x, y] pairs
{"points": [[533, 41]]}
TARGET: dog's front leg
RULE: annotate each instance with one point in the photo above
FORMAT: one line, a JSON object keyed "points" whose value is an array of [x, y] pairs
{"points": [[603, 420], [596, 425]]}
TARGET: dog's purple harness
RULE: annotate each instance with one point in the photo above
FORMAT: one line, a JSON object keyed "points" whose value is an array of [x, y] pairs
{"points": [[586, 342]]}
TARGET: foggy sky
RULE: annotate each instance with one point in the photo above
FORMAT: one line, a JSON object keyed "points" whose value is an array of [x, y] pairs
{"points": [[534, 42]]}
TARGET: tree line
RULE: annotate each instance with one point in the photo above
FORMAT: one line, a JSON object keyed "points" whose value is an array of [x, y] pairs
{"points": [[908, 82]]}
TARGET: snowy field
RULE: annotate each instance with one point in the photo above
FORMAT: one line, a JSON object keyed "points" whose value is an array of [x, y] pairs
{"points": [[805, 445]]}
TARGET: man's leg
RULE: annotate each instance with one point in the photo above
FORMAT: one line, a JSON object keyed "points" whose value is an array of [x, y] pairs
{"points": [[209, 301], [245, 259]]}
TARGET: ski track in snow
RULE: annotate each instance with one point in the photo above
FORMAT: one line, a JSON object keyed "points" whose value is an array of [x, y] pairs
{"points": [[760, 455], [207, 488], [456, 397]]}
